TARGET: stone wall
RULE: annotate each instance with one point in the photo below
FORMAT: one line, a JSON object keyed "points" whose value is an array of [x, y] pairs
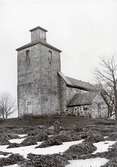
{"points": [[50, 66], [38, 85], [62, 94], [70, 92], [99, 107], [93, 110]]}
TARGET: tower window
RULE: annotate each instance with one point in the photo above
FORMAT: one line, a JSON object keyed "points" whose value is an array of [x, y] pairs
{"points": [[50, 57], [27, 57]]}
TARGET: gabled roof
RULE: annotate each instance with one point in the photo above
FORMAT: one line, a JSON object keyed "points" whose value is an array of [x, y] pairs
{"points": [[82, 99], [37, 42], [38, 27], [75, 83]]}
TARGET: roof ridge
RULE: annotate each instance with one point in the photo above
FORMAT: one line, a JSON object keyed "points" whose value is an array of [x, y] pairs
{"points": [[67, 81], [37, 42]]}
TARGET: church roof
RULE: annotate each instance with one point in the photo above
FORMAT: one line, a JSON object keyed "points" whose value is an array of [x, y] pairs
{"points": [[38, 42], [75, 83], [80, 99]]}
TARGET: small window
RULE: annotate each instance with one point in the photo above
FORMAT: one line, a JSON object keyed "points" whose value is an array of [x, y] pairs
{"points": [[27, 57], [50, 57]]}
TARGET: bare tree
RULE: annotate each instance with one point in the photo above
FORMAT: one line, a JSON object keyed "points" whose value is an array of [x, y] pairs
{"points": [[107, 77], [7, 106], [108, 98]]}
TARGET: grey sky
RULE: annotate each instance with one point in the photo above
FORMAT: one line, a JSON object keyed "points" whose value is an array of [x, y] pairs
{"points": [[83, 29]]}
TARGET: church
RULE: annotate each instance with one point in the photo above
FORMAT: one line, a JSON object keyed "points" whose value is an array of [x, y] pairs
{"points": [[43, 89]]}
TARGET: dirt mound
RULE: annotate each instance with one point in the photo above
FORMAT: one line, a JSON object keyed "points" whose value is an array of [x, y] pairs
{"points": [[63, 136], [51, 130], [4, 140], [105, 122], [37, 131], [113, 136], [13, 145], [32, 140], [78, 151], [12, 159], [111, 163], [69, 135], [29, 141], [55, 160], [112, 151], [92, 136], [50, 142]]}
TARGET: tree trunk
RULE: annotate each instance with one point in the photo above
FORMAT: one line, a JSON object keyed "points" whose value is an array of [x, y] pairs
{"points": [[115, 100]]}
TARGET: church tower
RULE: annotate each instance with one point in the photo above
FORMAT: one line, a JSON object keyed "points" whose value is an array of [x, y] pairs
{"points": [[38, 83]]}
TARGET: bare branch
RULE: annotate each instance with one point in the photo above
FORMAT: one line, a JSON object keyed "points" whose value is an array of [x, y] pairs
{"points": [[7, 106], [107, 76]]}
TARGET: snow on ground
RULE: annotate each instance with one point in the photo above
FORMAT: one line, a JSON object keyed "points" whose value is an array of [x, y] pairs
{"points": [[93, 162], [4, 156], [103, 146], [15, 165], [24, 151], [16, 140], [105, 137], [22, 135]]}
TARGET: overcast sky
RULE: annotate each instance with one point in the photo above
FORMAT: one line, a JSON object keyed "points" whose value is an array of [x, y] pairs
{"points": [[83, 29]]}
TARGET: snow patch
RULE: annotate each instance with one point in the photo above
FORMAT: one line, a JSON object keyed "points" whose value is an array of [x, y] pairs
{"points": [[103, 146], [92, 162], [18, 141], [5, 156], [15, 165], [105, 137], [24, 151], [22, 135]]}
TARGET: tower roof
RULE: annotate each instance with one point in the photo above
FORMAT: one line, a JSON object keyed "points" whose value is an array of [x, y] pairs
{"points": [[38, 36], [38, 27], [37, 42]]}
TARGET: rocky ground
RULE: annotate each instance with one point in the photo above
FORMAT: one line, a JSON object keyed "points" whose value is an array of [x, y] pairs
{"points": [[58, 142]]}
